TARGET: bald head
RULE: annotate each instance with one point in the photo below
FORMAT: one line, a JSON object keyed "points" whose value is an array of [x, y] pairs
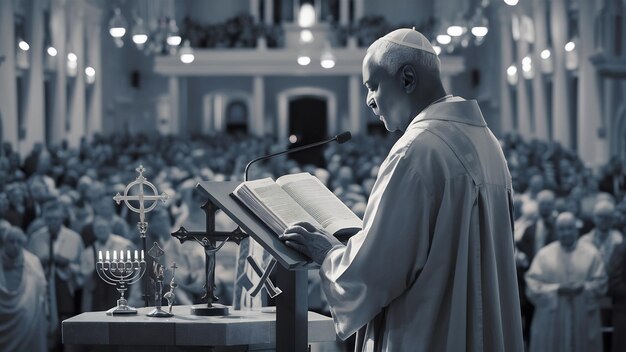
{"points": [[603, 215], [566, 230]]}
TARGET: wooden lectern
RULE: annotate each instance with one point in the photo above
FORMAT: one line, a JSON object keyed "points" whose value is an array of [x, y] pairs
{"points": [[291, 305]]}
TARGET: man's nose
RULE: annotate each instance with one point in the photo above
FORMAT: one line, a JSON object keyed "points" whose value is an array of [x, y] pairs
{"points": [[369, 100]]}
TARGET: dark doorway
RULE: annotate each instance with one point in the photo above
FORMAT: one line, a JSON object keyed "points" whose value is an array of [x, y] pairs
{"points": [[237, 118], [308, 123]]}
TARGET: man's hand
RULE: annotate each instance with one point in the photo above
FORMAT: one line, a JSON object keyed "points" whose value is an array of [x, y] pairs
{"points": [[313, 242], [61, 261], [571, 288]]}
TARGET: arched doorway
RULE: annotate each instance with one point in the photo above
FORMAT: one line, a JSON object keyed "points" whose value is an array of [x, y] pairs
{"points": [[237, 117], [308, 124]]}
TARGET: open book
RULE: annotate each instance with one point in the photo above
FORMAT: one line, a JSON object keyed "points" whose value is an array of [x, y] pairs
{"points": [[298, 197]]}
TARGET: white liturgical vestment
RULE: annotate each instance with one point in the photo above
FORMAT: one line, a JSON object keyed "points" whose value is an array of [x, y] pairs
{"points": [[566, 323], [433, 267]]}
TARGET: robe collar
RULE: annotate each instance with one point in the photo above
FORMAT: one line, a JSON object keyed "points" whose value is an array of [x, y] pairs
{"points": [[455, 109]]}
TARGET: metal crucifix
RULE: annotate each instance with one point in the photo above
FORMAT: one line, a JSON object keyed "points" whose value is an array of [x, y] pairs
{"points": [[208, 240]]}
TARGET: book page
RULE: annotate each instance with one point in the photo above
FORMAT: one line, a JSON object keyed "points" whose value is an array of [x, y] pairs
{"points": [[320, 202], [272, 204]]}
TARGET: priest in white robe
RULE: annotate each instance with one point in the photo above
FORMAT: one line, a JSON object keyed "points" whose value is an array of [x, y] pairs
{"points": [[23, 306], [433, 268], [565, 282]]}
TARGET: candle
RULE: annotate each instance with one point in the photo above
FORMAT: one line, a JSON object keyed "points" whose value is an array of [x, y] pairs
{"points": [[114, 256], [99, 256], [142, 255], [136, 254], [107, 256], [121, 256], [128, 257]]}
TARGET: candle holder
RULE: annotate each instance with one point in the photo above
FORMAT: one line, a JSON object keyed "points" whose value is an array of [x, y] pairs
{"points": [[121, 273]]}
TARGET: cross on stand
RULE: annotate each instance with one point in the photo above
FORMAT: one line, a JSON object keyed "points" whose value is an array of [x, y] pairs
{"points": [[142, 225], [208, 240]]}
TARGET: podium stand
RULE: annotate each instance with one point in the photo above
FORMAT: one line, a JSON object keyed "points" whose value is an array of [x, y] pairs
{"points": [[291, 304]]}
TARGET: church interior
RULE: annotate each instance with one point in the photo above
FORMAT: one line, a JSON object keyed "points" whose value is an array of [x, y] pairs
{"points": [[193, 90]]}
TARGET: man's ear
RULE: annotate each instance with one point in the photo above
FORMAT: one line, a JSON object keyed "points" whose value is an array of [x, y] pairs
{"points": [[409, 78]]}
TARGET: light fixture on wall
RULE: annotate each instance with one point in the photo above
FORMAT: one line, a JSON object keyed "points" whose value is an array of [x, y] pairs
{"points": [[511, 2], [571, 54], [546, 61], [52, 51], [90, 75], [527, 67], [327, 59], [511, 74], [23, 45], [173, 37], [306, 15], [306, 36], [186, 53], [72, 64]]}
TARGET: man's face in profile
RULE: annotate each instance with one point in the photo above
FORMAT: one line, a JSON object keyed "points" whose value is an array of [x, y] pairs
{"points": [[383, 94]]}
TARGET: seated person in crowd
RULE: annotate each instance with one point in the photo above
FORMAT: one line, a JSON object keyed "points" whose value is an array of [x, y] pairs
{"points": [[565, 282], [23, 305]]}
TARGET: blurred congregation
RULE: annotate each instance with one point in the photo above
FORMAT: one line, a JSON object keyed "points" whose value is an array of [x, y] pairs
{"points": [[211, 87]]}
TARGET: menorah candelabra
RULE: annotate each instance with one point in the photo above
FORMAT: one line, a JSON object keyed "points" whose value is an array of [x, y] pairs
{"points": [[121, 273]]}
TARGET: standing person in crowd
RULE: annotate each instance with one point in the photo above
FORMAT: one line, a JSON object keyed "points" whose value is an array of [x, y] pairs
{"points": [[613, 180], [603, 236], [617, 291], [21, 210], [433, 267], [23, 306], [59, 249], [98, 295], [565, 282], [535, 237]]}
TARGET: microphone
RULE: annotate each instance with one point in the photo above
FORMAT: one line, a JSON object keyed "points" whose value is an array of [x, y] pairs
{"points": [[340, 138]]}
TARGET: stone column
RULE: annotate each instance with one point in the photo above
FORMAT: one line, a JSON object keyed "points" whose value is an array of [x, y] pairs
{"points": [[355, 101], [8, 98], [523, 103], [174, 91], [94, 59], [506, 59], [58, 28], [34, 101], [183, 113], [560, 108], [77, 109], [257, 122], [268, 16], [592, 148], [344, 12], [540, 105]]}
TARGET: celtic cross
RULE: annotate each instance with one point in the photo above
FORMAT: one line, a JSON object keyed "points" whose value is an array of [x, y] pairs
{"points": [[141, 198]]}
